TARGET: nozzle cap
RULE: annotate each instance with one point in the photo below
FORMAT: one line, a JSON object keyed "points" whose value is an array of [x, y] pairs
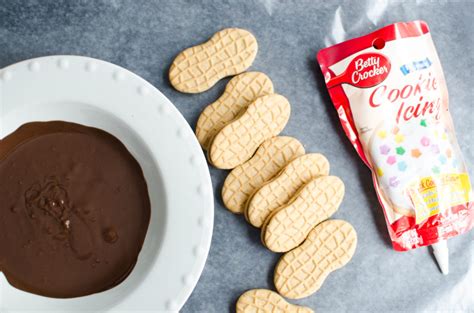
{"points": [[441, 253]]}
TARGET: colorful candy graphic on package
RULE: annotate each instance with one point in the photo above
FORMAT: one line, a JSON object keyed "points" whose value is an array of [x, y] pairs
{"points": [[389, 90]]}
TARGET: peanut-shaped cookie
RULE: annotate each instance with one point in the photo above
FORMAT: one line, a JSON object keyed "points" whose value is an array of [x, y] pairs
{"points": [[266, 301], [239, 92], [237, 141], [302, 271], [280, 189], [288, 226], [229, 52], [270, 158]]}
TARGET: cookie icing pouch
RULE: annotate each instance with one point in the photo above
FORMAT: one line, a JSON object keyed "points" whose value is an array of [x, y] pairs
{"points": [[390, 93]]}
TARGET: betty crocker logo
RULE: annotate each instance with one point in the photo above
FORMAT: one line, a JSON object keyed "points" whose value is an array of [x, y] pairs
{"points": [[369, 70], [364, 71]]}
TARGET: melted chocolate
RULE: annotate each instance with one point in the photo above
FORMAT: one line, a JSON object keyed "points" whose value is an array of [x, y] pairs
{"points": [[74, 209]]}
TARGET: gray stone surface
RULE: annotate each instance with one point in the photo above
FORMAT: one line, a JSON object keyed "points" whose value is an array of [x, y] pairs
{"points": [[144, 36]]}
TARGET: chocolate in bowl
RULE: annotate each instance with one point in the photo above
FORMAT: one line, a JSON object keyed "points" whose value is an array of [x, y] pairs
{"points": [[74, 209]]}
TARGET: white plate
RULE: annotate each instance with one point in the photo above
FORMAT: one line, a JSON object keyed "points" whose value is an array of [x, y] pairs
{"points": [[99, 94]]}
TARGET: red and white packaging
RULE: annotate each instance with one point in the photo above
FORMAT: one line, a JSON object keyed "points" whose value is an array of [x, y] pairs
{"points": [[390, 93]]}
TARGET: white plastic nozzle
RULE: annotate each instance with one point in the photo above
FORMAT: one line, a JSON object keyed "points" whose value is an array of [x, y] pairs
{"points": [[441, 253]]}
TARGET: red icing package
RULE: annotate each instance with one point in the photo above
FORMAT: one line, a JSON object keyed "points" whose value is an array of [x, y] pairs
{"points": [[390, 93]]}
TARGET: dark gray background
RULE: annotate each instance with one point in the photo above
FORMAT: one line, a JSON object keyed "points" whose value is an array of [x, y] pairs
{"points": [[144, 37]]}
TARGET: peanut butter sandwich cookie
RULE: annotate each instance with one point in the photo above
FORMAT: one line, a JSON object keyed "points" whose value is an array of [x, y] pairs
{"points": [[288, 226], [229, 52], [280, 189], [302, 271], [237, 141], [270, 158], [238, 94], [266, 301]]}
